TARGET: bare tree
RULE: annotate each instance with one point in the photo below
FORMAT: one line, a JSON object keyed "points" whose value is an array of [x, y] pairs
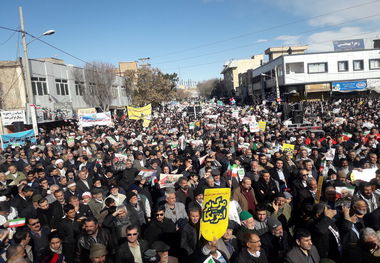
{"points": [[206, 87], [149, 85], [99, 77]]}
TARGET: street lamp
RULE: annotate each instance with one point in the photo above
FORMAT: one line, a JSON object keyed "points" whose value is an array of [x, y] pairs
{"points": [[47, 33], [30, 104]]}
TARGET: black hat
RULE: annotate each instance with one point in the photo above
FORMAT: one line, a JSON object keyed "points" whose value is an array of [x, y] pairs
{"points": [[160, 246], [198, 191], [129, 195], [215, 172], [96, 191]]}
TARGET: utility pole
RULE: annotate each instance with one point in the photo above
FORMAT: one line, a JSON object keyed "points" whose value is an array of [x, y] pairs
{"points": [[278, 95], [30, 105]]}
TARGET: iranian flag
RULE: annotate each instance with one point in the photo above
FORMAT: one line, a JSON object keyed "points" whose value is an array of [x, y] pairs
{"points": [[17, 222], [232, 170], [346, 136], [210, 259]]}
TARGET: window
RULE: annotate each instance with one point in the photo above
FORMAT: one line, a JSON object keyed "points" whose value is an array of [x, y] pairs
{"points": [[317, 67], [358, 65], [374, 63], [62, 87], [114, 92], [123, 91], [79, 88], [294, 68], [342, 66], [91, 88], [39, 86]]}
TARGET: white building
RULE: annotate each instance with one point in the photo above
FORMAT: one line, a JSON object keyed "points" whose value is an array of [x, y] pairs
{"points": [[57, 89], [317, 75]]}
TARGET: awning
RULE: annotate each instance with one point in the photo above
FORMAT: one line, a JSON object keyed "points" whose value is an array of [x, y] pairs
{"points": [[323, 87]]}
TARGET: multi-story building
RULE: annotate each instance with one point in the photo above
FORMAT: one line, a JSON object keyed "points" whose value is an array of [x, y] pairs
{"points": [[233, 68], [295, 75], [58, 89]]}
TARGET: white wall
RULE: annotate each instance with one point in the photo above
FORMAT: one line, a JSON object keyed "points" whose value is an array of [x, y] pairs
{"points": [[52, 71], [332, 59]]}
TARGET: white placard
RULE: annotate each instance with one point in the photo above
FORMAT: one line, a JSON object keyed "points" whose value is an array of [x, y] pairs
{"points": [[8, 117]]}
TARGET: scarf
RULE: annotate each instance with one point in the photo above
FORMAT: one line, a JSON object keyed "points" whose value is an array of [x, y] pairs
{"points": [[371, 203], [56, 251]]}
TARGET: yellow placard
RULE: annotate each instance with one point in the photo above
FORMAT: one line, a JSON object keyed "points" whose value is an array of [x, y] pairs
{"points": [[288, 148], [140, 113], [262, 125], [215, 211], [146, 123], [319, 189]]}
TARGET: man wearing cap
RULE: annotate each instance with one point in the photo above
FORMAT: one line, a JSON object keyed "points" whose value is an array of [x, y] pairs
{"points": [[247, 225], [276, 242], [98, 254], [71, 190], [162, 250], [198, 198], [118, 197]]}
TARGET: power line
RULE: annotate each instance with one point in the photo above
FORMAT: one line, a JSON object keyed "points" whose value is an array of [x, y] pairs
{"points": [[253, 44], [310, 43], [265, 29], [9, 38]]}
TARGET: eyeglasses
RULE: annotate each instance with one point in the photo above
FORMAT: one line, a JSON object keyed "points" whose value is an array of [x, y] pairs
{"points": [[35, 223], [161, 214], [132, 234]]}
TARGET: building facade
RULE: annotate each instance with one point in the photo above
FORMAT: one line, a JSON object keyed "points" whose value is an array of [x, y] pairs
{"points": [[58, 89], [233, 68], [317, 75]]}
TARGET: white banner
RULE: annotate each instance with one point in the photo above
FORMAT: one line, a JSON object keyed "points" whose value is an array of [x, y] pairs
{"points": [[93, 119], [8, 117]]}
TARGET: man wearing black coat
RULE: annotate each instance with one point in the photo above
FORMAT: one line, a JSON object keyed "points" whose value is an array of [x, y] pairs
{"points": [[129, 175], [69, 229], [93, 234], [325, 234], [160, 228], [190, 232], [276, 242], [22, 200], [133, 249]]}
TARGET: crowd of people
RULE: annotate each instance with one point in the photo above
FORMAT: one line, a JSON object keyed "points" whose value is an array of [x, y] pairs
{"points": [[83, 195]]}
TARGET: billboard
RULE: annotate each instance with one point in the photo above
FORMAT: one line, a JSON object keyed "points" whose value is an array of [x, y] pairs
{"points": [[8, 117], [348, 86], [351, 44]]}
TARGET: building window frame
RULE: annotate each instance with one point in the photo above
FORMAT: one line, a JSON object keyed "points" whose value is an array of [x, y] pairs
{"points": [[79, 88], [358, 61], [62, 87], [317, 63], [39, 86], [373, 60], [346, 68]]}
